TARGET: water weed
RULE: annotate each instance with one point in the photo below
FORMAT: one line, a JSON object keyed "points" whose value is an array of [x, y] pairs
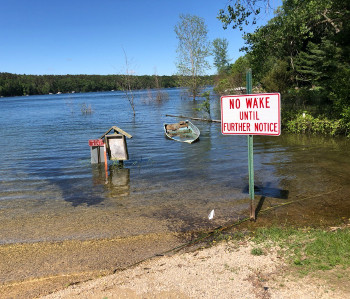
{"points": [[86, 109]]}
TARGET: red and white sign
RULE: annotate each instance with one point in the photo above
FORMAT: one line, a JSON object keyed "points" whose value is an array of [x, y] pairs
{"points": [[251, 114], [96, 142]]}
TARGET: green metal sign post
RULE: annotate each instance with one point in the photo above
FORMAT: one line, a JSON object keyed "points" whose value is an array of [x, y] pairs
{"points": [[251, 114], [250, 154]]}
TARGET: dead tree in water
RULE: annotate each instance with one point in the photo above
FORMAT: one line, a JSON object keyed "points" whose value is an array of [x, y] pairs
{"points": [[128, 84]]}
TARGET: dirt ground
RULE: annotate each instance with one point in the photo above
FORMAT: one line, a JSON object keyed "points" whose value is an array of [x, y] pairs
{"points": [[222, 271]]}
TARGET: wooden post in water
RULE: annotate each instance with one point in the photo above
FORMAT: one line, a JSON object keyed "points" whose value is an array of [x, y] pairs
{"points": [[250, 154], [106, 161]]}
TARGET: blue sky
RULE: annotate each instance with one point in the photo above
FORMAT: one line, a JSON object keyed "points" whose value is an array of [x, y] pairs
{"points": [[88, 37]]}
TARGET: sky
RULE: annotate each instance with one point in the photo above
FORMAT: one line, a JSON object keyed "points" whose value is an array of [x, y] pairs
{"points": [[93, 36]]}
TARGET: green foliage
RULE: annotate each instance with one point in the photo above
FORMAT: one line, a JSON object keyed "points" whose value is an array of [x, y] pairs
{"points": [[240, 65], [338, 87], [234, 78], [345, 120], [221, 60], [240, 13], [193, 50], [277, 78], [310, 64], [305, 123], [205, 106], [304, 34]]}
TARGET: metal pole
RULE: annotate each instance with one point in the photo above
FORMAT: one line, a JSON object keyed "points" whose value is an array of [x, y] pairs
{"points": [[250, 153]]}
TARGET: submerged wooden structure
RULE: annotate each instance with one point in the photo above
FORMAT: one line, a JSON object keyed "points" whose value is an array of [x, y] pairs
{"points": [[116, 146]]}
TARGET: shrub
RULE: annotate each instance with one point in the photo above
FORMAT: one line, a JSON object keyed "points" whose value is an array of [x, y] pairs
{"points": [[307, 124]]}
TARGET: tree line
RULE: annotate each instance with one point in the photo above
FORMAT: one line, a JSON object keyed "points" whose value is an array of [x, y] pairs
{"points": [[20, 85]]}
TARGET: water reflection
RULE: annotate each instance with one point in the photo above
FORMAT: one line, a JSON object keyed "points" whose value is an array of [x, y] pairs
{"points": [[99, 176], [268, 191], [116, 182]]}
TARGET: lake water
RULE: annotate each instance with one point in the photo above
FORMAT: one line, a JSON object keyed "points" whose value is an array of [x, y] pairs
{"points": [[49, 190]]}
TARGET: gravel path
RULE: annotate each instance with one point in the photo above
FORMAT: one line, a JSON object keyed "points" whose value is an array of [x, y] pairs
{"points": [[227, 270]]}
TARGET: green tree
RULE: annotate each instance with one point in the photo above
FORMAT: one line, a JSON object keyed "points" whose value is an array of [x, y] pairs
{"points": [[241, 13], [221, 60], [193, 50], [306, 39], [232, 80], [303, 52]]}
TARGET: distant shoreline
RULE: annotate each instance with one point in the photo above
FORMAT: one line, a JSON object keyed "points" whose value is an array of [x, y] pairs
{"points": [[22, 85]]}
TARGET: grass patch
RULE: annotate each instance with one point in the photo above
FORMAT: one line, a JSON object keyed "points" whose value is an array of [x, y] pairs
{"points": [[257, 251], [309, 249], [219, 236]]}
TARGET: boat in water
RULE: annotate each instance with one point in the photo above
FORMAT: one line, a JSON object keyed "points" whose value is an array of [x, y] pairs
{"points": [[183, 131]]}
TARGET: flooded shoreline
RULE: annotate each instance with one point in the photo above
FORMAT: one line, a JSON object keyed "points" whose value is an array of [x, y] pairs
{"points": [[49, 190]]}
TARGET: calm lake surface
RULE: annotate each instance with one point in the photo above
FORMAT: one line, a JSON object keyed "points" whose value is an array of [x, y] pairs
{"points": [[49, 191]]}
